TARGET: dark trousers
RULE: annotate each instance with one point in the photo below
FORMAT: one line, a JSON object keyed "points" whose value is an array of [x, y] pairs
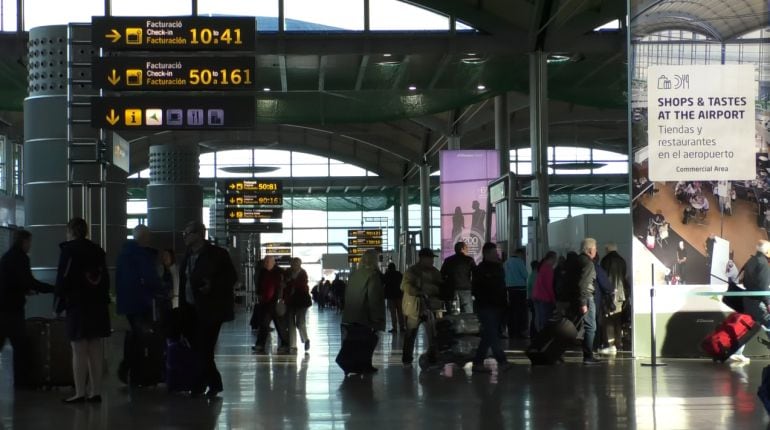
{"points": [[204, 346], [140, 324], [12, 329], [517, 313], [407, 355], [266, 313], [490, 319]]}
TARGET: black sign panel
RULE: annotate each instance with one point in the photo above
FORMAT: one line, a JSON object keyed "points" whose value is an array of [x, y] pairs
{"points": [[257, 227], [173, 113], [361, 251], [174, 33], [252, 213], [263, 186], [364, 242], [373, 232], [174, 73]]}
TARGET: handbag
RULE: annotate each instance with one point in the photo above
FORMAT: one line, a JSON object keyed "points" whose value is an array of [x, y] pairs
{"points": [[280, 307], [734, 302]]}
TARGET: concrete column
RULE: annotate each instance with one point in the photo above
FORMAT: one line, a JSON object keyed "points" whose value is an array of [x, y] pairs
{"points": [[174, 195], [46, 163], [453, 142], [397, 223], [538, 114], [405, 208], [425, 204], [502, 133]]}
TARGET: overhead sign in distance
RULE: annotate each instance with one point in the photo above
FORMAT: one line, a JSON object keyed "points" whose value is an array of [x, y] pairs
{"points": [[262, 186], [174, 33], [277, 251], [173, 112], [354, 259], [361, 251], [257, 227], [364, 242], [251, 199], [232, 213], [174, 73], [374, 232]]}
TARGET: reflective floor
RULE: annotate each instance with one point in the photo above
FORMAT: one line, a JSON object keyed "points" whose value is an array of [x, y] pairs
{"points": [[310, 392]]}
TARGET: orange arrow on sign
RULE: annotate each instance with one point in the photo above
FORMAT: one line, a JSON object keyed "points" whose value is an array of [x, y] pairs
{"points": [[112, 118], [232, 200], [232, 186], [232, 214], [114, 78], [113, 35]]}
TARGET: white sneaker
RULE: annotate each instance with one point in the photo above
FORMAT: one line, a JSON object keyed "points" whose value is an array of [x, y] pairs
{"points": [[608, 351], [739, 358]]}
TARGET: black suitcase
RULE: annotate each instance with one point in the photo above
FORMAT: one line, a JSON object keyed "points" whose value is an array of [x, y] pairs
{"points": [[358, 344], [144, 363], [49, 354], [549, 345]]}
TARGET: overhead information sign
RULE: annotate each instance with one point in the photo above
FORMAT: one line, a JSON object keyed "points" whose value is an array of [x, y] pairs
{"points": [[376, 241], [174, 33], [246, 185], [174, 73], [253, 213], [701, 122], [202, 112], [256, 227], [374, 232]]}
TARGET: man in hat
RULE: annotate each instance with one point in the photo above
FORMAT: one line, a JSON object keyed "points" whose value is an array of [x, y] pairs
{"points": [[422, 288]]}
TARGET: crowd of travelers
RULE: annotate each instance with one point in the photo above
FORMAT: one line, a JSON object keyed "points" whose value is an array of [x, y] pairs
{"points": [[178, 310]]}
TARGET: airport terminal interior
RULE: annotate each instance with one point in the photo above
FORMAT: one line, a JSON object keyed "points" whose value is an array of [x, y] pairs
{"points": [[353, 135]]}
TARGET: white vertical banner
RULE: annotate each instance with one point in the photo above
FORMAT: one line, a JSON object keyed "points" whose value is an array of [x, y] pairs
{"points": [[701, 122]]}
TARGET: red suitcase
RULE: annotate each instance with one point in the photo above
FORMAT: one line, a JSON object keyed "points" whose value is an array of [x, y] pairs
{"points": [[733, 333]]}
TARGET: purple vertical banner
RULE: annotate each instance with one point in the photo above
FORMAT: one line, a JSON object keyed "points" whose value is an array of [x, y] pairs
{"points": [[465, 176]]}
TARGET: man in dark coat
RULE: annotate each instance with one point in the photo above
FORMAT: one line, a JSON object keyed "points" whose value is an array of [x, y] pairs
{"points": [[583, 279], [393, 294], [756, 277], [456, 273], [206, 282], [16, 281], [616, 269]]}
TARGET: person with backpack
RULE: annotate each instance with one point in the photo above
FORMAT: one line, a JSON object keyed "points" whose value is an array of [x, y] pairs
{"points": [[137, 285], [298, 301], [83, 293], [16, 281]]}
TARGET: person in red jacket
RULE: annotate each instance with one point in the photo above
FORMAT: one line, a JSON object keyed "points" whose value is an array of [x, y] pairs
{"points": [[269, 283], [297, 296], [543, 293]]}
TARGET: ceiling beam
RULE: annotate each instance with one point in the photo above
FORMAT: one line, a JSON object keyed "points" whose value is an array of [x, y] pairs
{"points": [[442, 66], [403, 68], [361, 72], [284, 82], [322, 59]]}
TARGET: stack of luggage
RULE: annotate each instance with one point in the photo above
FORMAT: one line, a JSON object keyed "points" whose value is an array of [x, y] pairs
{"points": [[456, 341]]}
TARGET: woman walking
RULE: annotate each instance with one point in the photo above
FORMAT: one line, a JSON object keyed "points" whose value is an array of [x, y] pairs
{"points": [[82, 291]]}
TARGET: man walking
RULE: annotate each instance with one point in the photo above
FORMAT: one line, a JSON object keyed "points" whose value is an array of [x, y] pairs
{"points": [[206, 278], [517, 317], [489, 290], [456, 274], [421, 287], [585, 278]]}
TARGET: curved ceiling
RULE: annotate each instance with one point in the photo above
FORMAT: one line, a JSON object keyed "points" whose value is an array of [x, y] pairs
{"points": [[717, 19]]}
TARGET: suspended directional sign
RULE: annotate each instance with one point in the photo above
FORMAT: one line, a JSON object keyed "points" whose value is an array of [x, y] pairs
{"points": [[260, 185], [253, 213], [256, 227], [174, 73], [372, 232], [173, 113], [371, 242], [174, 33]]}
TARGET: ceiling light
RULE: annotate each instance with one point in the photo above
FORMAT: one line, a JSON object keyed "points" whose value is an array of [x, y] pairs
{"points": [[563, 57], [481, 87], [266, 89], [472, 58], [412, 87], [387, 55]]}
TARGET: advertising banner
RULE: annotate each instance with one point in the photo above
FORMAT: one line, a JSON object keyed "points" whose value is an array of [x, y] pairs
{"points": [[701, 122], [465, 176], [701, 195]]}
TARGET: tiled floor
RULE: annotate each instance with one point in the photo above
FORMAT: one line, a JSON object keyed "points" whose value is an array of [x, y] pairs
{"points": [[280, 392]]}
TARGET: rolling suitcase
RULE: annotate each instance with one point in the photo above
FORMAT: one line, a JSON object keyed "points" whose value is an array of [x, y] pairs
{"points": [[358, 344], [733, 333], [180, 366], [549, 345], [49, 355], [146, 362]]}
